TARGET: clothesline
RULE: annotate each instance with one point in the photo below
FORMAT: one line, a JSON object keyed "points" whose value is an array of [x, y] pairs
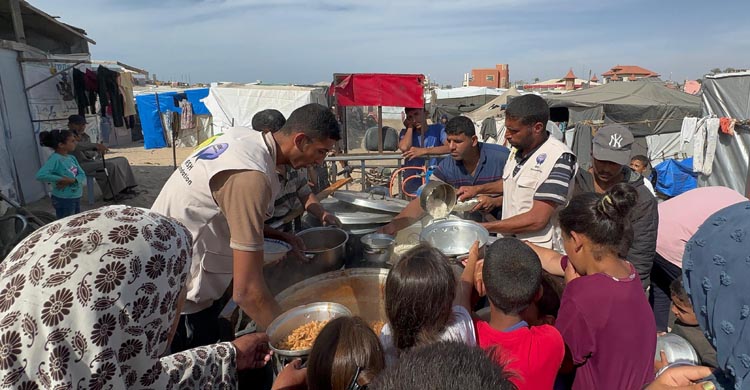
{"points": [[599, 123]]}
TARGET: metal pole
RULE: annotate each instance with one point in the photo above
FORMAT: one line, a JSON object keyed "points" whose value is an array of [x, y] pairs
{"points": [[380, 129]]}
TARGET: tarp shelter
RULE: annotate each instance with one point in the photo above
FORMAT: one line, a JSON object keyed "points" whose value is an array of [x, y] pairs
{"points": [[493, 108], [236, 104], [154, 135], [728, 95], [645, 107]]}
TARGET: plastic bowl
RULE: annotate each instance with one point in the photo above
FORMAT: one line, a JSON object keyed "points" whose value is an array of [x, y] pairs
{"points": [[274, 249]]}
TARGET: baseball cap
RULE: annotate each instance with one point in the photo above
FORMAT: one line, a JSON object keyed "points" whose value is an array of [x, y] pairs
{"points": [[613, 143], [77, 119]]}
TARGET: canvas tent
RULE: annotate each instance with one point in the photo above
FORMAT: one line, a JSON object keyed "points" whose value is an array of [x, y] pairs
{"points": [[646, 107], [493, 108], [236, 104], [458, 101], [728, 95]]}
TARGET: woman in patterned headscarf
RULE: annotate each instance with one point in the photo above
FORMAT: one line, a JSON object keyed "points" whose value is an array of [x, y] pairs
{"points": [[716, 274], [90, 301]]}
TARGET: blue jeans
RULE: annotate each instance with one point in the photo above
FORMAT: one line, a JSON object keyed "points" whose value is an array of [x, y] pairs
{"points": [[65, 207]]}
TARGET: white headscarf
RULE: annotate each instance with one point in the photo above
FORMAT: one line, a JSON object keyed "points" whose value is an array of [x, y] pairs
{"points": [[88, 302]]}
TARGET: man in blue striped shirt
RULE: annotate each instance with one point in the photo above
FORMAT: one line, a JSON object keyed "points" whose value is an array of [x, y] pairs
{"points": [[471, 163]]}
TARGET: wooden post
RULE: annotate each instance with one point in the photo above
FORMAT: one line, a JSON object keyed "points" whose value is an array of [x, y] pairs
{"points": [[380, 129], [15, 13]]}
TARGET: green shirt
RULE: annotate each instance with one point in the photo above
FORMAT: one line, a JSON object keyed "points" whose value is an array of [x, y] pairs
{"points": [[59, 166]]}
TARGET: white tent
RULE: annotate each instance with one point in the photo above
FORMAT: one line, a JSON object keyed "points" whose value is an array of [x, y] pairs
{"points": [[235, 104]]}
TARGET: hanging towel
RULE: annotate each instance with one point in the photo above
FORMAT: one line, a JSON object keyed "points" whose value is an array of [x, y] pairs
{"points": [[704, 145], [688, 129], [186, 116]]}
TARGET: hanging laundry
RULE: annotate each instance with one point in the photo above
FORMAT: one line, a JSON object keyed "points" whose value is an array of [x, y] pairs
{"points": [[64, 88], [727, 125], [109, 94], [79, 90], [92, 89], [186, 117], [126, 88], [704, 145], [688, 129]]}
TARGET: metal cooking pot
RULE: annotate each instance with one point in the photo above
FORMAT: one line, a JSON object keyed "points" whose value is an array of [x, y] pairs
{"points": [[436, 190], [359, 289], [378, 248], [454, 237], [326, 246]]}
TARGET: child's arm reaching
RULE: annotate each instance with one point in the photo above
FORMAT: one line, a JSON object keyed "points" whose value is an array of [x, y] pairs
{"points": [[550, 259], [466, 284]]}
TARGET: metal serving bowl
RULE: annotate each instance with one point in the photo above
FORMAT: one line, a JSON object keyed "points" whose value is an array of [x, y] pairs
{"points": [[454, 237], [677, 349], [292, 319]]}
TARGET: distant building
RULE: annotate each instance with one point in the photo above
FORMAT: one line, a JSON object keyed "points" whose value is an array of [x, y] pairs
{"points": [[497, 77], [568, 83], [627, 73]]}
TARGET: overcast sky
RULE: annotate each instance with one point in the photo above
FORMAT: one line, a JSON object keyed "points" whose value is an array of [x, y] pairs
{"points": [[306, 41]]}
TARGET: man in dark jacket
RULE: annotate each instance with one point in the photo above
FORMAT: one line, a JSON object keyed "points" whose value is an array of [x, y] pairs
{"points": [[610, 157]]}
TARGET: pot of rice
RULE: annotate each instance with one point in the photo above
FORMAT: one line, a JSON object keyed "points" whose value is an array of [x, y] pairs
{"points": [[292, 334]]}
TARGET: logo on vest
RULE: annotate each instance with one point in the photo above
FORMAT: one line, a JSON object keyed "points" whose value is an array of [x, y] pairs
{"points": [[615, 141], [541, 158], [212, 152]]}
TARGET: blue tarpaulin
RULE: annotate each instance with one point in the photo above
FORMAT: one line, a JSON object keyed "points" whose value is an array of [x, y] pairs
{"points": [[675, 177], [153, 131]]}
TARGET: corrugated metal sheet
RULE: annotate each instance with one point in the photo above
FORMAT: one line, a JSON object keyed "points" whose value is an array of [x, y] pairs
{"points": [[728, 95]]}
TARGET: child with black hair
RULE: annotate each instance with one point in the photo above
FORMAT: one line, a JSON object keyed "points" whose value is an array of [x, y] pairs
{"points": [[346, 355], [512, 279], [604, 318], [686, 325], [422, 304], [63, 172]]}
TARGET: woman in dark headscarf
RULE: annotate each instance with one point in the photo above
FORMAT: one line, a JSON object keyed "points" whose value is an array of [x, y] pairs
{"points": [[716, 275], [90, 301]]}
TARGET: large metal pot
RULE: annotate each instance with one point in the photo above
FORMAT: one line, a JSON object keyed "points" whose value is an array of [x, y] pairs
{"points": [[378, 248], [356, 221], [326, 246], [359, 289]]}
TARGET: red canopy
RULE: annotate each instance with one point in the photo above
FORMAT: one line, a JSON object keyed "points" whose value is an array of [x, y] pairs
{"points": [[379, 89]]}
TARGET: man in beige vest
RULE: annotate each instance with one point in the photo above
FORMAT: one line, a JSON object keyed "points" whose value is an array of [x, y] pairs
{"points": [[223, 193], [538, 177]]}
